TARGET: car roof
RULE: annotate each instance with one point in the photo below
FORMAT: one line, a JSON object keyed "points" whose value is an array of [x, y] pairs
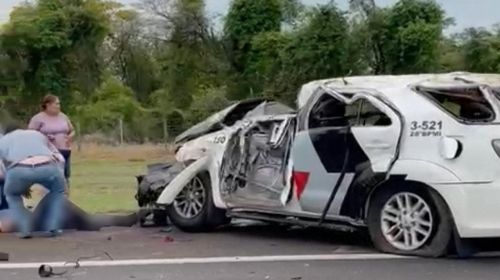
{"points": [[390, 86]]}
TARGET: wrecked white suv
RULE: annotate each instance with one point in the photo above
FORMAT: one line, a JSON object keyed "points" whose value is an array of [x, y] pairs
{"points": [[414, 159]]}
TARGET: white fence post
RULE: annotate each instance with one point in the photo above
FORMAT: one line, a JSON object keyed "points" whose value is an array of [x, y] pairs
{"points": [[121, 130]]}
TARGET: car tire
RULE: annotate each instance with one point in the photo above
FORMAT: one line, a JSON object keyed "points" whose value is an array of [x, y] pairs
{"points": [[207, 219], [435, 240]]}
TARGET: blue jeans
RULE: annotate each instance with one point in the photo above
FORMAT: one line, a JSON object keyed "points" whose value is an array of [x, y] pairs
{"points": [[3, 200], [67, 163], [19, 179]]}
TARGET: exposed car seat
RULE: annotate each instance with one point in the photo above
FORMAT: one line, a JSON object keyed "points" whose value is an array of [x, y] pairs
{"points": [[475, 111]]}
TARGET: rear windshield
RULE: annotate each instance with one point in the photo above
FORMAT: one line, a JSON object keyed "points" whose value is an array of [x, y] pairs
{"points": [[467, 104]]}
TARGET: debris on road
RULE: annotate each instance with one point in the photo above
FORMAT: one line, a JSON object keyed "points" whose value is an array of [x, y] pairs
{"points": [[168, 239], [46, 271], [166, 230], [4, 256]]}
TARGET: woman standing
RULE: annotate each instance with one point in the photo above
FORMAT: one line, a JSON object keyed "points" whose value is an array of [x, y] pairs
{"points": [[57, 127]]}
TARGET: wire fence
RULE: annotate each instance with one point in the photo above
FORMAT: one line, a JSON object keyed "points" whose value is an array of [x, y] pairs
{"points": [[137, 132]]}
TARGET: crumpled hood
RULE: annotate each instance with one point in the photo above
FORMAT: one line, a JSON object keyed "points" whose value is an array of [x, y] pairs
{"points": [[230, 115], [211, 124]]}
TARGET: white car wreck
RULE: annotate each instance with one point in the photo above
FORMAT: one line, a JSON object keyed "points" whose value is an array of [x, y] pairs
{"points": [[414, 159]]}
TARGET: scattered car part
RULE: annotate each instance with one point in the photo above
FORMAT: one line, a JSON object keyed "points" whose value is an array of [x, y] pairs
{"points": [[46, 271], [4, 256]]}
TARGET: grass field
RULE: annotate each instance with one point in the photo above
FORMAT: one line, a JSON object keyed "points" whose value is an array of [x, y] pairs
{"points": [[103, 177]]}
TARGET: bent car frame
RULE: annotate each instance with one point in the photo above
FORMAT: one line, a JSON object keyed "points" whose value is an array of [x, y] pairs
{"points": [[413, 158]]}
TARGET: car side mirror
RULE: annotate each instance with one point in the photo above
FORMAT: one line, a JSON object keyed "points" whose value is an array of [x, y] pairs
{"points": [[450, 148]]}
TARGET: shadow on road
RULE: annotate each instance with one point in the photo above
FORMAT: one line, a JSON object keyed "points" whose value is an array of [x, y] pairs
{"points": [[297, 233]]}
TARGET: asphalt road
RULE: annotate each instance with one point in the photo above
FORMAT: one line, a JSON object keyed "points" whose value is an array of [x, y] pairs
{"points": [[263, 252], [320, 270], [241, 239]]}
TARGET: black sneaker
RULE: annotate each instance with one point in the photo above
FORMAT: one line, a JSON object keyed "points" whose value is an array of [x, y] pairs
{"points": [[25, 235]]}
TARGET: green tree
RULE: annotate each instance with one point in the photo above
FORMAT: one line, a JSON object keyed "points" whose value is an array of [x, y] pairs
{"points": [[451, 56], [404, 38], [317, 50], [182, 56], [111, 102], [131, 57], [58, 44], [481, 50], [245, 20]]}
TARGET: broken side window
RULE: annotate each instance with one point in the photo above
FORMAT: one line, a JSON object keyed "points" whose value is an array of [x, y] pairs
{"points": [[330, 112], [465, 103], [369, 115]]}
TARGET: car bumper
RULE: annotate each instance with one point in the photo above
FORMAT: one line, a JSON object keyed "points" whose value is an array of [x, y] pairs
{"points": [[475, 208], [150, 186]]}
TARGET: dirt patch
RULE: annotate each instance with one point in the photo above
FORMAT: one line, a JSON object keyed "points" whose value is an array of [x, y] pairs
{"points": [[127, 152]]}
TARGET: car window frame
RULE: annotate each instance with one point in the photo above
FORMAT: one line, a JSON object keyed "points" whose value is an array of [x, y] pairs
{"points": [[487, 94], [346, 101]]}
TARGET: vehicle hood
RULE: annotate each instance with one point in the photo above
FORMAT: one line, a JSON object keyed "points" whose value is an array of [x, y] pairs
{"points": [[238, 111], [210, 124]]}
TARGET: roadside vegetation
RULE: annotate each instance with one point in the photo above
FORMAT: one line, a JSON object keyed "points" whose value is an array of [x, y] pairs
{"points": [[144, 73], [103, 177]]}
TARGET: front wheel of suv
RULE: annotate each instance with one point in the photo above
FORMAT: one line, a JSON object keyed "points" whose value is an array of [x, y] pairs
{"points": [[410, 220], [193, 209]]}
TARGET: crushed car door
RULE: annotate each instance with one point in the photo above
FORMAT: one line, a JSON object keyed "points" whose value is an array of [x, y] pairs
{"points": [[254, 170], [341, 142]]}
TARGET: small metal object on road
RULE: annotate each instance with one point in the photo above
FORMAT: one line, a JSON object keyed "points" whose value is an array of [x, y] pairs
{"points": [[166, 230], [46, 271]]}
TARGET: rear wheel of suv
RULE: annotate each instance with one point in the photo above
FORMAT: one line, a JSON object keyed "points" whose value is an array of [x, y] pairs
{"points": [[410, 220], [193, 209]]}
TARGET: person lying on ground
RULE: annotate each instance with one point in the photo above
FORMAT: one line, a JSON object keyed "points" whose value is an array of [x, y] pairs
{"points": [[74, 218], [29, 158]]}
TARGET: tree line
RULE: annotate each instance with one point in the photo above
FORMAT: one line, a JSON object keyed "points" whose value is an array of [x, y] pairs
{"points": [[163, 65]]}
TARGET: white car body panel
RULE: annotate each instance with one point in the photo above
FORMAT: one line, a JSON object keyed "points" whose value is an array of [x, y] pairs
{"points": [[469, 184], [168, 196], [474, 207]]}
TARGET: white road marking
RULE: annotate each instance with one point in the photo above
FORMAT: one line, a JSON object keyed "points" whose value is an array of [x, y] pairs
{"points": [[209, 260]]}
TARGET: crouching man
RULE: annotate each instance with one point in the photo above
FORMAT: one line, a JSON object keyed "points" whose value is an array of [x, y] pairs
{"points": [[29, 159]]}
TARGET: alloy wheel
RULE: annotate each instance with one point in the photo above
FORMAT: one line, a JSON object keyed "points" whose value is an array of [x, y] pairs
{"points": [[406, 221], [189, 203]]}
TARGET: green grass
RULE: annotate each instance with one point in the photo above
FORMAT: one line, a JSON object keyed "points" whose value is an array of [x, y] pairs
{"points": [[103, 177], [105, 186]]}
